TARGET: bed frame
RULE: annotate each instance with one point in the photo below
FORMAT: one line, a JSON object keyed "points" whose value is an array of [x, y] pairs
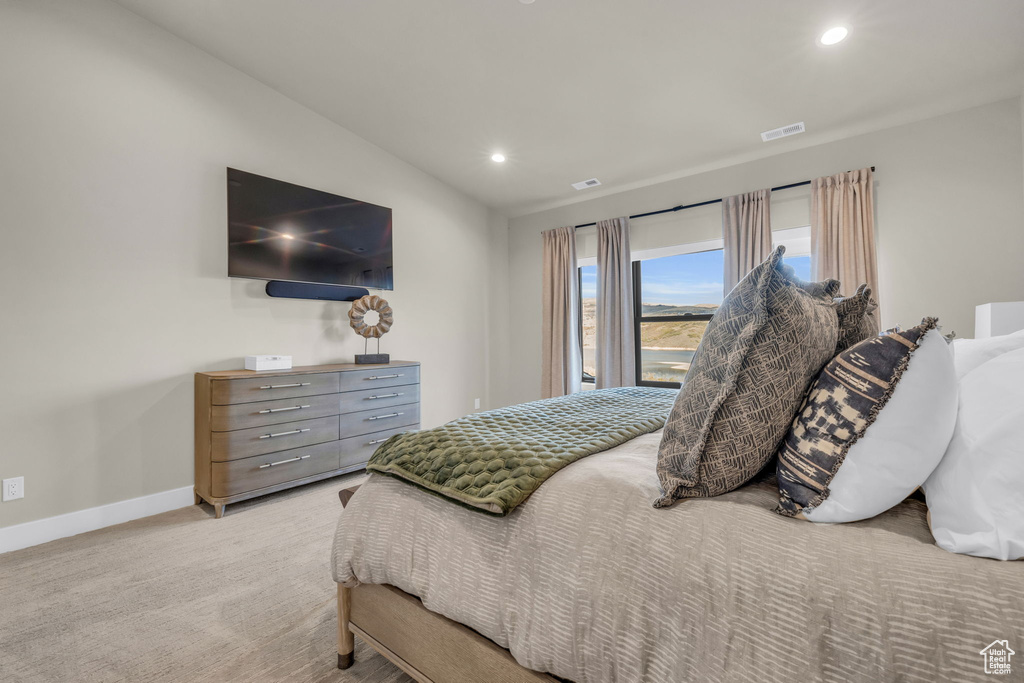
{"points": [[429, 647]]}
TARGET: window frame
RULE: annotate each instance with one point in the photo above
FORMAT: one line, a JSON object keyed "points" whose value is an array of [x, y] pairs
{"points": [[797, 240], [639, 319], [585, 377]]}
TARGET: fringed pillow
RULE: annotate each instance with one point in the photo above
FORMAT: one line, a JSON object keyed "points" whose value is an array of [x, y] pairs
{"points": [[856, 318], [875, 424]]}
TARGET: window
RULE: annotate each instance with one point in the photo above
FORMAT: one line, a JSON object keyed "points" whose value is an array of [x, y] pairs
{"points": [[801, 265], [675, 296], [588, 320], [798, 249], [676, 291]]}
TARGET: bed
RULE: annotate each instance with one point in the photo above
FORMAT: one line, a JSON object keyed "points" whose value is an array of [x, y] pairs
{"points": [[587, 582]]}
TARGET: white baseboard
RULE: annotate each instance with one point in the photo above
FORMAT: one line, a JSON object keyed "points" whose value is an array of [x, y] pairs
{"points": [[73, 523]]}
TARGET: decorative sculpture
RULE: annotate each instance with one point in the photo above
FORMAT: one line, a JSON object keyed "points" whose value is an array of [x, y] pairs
{"points": [[356, 319]]}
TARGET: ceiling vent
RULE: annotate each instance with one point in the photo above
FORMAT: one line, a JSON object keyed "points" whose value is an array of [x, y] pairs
{"points": [[584, 184], [791, 129]]}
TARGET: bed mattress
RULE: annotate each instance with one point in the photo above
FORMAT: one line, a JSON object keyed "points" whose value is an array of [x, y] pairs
{"points": [[589, 582]]}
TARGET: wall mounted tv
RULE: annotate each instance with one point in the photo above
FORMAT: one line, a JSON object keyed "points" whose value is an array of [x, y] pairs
{"points": [[281, 231]]}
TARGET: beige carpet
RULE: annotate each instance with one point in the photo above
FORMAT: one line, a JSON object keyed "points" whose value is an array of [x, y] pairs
{"points": [[184, 597]]}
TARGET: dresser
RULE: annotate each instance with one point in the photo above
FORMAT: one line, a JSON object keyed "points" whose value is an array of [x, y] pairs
{"points": [[261, 432]]}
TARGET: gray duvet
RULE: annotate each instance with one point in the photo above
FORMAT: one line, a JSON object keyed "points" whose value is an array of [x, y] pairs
{"points": [[589, 582]]}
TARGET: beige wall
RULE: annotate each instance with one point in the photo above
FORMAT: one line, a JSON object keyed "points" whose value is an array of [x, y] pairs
{"points": [[949, 215], [114, 137]]}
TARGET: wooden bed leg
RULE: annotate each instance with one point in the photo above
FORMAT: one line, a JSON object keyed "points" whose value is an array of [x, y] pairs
{"points": [[346, 641]]}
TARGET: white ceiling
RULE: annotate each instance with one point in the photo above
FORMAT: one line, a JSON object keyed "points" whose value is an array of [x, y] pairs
{"points": [[628, 91]]}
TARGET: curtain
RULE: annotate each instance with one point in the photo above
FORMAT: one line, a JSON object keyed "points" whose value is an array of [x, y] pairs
{"points": [[843, 231], [616, 365], [562, 357], [747, 233]]}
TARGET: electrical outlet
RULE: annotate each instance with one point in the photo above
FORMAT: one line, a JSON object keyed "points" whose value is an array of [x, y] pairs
{"points": [[476, 404], [13, 488]]}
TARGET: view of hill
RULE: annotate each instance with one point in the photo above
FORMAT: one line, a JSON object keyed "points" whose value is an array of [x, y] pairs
{"points": [[681, 335], [666, 335], [670, 309]]}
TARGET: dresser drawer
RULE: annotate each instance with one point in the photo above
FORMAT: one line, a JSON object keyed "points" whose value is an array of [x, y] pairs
{"points": [[249, 389], [354, 380], [375, 399], [245, 415], [244, 443], [368, 421], [249, 474], [358, 449]]}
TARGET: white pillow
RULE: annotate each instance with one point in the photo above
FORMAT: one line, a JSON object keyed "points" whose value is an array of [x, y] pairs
{"points": [[976, 494], [827, 473], [970, 353], [905, 443]]}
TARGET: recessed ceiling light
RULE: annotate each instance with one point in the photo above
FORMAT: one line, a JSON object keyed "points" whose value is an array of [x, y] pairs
{"points": [[287, 236], [498, 157], [526, 2], [833, 35]]}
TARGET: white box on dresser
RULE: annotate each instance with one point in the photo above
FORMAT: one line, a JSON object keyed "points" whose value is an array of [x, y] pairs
{"points": [[268, 362], [257, 433]]}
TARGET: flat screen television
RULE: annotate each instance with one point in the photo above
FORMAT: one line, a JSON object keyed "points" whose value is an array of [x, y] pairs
{"points": [[281, 231]]}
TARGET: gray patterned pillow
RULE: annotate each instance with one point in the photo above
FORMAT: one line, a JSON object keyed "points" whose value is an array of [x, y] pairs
{"points": [[761, 351], [856, 318]]}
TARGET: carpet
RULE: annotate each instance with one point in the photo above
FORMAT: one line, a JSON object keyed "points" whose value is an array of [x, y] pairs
{"points": [[183, 597]]}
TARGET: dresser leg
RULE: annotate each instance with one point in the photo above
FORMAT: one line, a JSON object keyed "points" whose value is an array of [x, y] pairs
{"points": [[198, 498], [218, 509]]}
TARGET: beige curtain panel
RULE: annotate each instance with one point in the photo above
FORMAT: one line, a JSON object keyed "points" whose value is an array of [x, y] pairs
{"points": [[747, 233], [843, 231], [616, 366], [562, 357]]}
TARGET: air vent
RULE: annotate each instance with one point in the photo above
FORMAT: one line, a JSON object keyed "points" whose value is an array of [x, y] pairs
{"points": [[584, 184], [791, 129]]}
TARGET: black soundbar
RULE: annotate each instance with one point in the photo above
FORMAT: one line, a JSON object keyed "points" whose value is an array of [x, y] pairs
{"points": [[302, 290]]}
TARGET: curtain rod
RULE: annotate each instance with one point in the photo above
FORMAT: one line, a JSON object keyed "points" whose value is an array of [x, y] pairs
{"points": [[693, 206]]}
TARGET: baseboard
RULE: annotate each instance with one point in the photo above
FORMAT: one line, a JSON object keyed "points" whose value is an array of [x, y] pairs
{"points": [[73, 523]]}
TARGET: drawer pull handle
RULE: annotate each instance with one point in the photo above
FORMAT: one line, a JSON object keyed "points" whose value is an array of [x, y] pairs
{"points": [[285, 386], [385, 376], [294, 431], [377, 441], [371, 398], [281, 410], [283, 462], [381, 417]]}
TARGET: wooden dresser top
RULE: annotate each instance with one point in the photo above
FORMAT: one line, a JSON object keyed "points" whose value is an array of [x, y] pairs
{"points": [[306, 370]]}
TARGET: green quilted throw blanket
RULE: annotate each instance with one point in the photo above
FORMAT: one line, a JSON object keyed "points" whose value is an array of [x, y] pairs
{"points": [[493, 461]]}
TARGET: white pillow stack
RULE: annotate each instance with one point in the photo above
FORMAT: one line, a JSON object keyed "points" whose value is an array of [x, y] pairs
{"points": [[970, 353], [976, 494]]}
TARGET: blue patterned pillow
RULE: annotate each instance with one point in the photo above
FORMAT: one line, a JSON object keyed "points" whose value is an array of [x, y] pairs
{"points": [[873, 427]]}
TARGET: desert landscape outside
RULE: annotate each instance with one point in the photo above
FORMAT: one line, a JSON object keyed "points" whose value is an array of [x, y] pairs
{"points": [[678, 285], [666, 347]]}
